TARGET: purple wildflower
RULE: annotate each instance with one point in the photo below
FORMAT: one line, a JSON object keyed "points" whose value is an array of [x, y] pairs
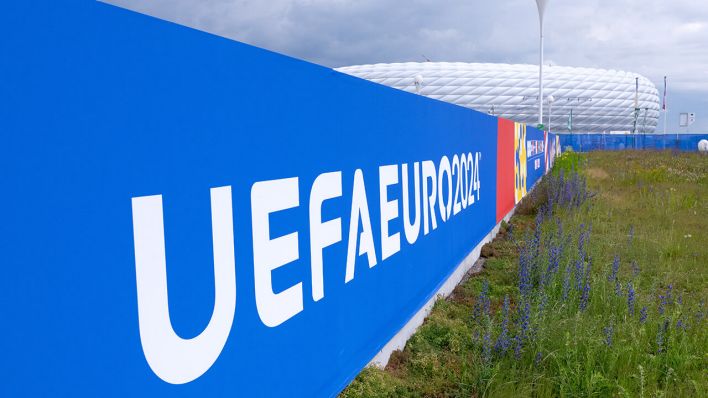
{"points": [[579, 272], [581, 242], [609, 332], [502, 344], [543, 302], [567, 194], [700, 314], [565, 241], [549, 205], [615, 269], [510, 232], [481, 306], [566, 282], [586, 290], [553, 263], [538, 358], [585, 297], [485, 297], [643, 314], [661, 336], [618, 288], [524, 319], [573, 190], [487, 347], [536, 244], [518, 346], [557, 257], [524, 273], [547, 241], [630, 298], [662, 304]]}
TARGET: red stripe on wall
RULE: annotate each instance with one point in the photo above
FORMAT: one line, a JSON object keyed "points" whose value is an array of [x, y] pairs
{"points": [[505, 168]]}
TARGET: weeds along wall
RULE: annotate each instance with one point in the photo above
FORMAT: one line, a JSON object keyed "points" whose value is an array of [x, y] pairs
{"points": [[187, 215]]}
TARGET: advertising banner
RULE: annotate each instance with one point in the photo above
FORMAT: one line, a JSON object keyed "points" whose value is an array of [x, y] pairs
{"points": [[535, 156], [185, 215], [506, 154], [520, 162]]}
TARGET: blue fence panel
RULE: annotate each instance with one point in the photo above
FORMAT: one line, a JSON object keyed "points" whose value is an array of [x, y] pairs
{"points": [[615, 142], [103, 110]]}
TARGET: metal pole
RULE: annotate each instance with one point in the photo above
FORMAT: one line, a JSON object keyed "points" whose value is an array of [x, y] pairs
{"points": [[666, 108], [644, 127], [540, 79], [541, 4], [636, 105]]}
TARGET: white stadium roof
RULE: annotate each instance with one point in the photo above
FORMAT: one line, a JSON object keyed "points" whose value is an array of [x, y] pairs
{"points": [[601, 100]]}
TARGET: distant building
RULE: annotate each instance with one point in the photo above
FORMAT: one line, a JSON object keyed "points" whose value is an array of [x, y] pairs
{"points": [[600, 100]]}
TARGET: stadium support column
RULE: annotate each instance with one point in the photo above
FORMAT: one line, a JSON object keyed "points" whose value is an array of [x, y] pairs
{"points": [[541, 10]]}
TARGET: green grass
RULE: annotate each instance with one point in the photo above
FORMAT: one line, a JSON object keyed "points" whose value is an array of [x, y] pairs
{"points": [[647, 208]]}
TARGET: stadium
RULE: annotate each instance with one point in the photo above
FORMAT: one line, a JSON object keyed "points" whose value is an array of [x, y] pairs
{"points": [[599, 100]]}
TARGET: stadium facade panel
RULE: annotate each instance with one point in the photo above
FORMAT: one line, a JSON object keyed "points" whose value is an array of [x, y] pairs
{"points": [[600, 100]]}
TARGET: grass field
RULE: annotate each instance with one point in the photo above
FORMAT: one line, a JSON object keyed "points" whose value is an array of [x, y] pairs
{"points": [[597, 287]]}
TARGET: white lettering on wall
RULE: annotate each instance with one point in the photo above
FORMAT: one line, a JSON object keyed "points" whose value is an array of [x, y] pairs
{"points": [[477, 182], [444, 170], [473, 185], [172, 358], [429, 199], [322, 234], [268, 197], [360, 211], [457, 177], [453, 186], [411, 229], [390, 244]]}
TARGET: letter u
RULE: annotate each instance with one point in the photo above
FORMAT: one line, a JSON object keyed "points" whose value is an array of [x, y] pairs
{"points": [[172, 358], [411, 229]]}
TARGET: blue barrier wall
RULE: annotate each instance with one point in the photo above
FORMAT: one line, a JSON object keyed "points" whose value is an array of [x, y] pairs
{"points": [[262, 163], [612, 142]]}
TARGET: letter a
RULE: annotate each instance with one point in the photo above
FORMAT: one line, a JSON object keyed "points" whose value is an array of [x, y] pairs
{"points": [[360, 211]]}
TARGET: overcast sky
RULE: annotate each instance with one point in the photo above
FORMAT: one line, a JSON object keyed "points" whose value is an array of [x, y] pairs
{"points": [[650, 37]]}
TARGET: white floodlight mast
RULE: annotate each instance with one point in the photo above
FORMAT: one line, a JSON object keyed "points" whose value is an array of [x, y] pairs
{"points": [[541, 11]]}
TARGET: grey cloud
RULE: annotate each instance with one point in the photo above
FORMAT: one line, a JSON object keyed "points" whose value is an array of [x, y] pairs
{"points": [[650, 37]]}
